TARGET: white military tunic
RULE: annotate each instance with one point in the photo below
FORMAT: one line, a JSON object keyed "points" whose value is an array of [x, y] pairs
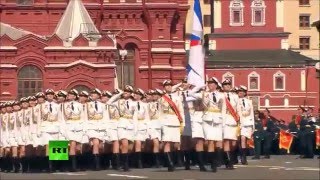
{"points": [[127, 126], [50, 122], [20, 127], [84, 116], [27, 123], [230, 128], [155, 121], [97, 119], [212, 117], [114, 116], [170, 122], [12, 129], [74, 123], [35, 125], [141, 119], [4, 134], [245, 110]]}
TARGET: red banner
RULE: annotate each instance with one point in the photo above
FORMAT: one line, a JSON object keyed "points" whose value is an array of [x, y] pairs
{"points": [[174, 107], [232, 111], [285, 140], [250, 143], [318, 138]]}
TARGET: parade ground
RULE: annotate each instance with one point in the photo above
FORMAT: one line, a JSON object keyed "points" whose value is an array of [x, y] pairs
{"points": [[278, 167]]}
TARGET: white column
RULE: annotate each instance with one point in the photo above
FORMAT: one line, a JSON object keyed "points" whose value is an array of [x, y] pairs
{"points": [[217, 14], [303, 80], [279, 13]]}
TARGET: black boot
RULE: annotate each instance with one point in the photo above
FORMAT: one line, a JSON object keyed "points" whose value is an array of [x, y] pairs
{"points": [[73, 163], [16, 164], [180, 158], [51, 167], [138, 157], [169, 162], [125, 161], [214, 161], [219, 156], [116, 161], [25, 164], [156, 160], [187, 162], [201, 161], [234, 157], [96, 162], [229, 164], [244, 156]]}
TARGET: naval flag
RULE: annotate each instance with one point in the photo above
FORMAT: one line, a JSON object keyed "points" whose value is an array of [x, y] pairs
{"points": [[195, 67]]}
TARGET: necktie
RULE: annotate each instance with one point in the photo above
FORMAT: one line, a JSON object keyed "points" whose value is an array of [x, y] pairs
{"points": [[50, 108], [244, 104], [228, 97], [170, 96], [138, 106], [72, 107], [183, 96], [157, 106], [214, 97], [127, 104], [187, 93], [96, 105]]}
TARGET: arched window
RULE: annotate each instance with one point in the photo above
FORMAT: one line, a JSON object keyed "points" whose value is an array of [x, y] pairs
{"points": [[80, 88], [229, 76], [125, 65], [29, 81], [254, 81], [279, 81], [236, 13], [258, 11]]}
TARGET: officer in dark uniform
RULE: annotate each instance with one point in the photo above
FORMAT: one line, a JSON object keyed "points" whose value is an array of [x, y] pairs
{"points": [[270, 133], [305, 136], [258, 135]]}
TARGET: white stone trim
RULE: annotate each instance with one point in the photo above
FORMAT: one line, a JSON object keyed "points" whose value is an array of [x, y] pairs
{"points": [[80, 62], [303, 83], [228, 74], [178, 50], [236, 5], [163, 67], [8, 48], [217, 14], [279, 74], [286, 101], [78, 48], [266, 102], [212, 44], [279, 13], [161, 49], [187, 44], [254, 74], [258, 5], [285, 44], [8, 66]]}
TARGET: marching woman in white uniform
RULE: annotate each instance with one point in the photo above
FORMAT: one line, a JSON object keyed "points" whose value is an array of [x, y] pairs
{"points": [[141, 120], [212, 121], [172, 121], [126, 126], [95, 125], [5, 165], [27, 122], [50, 124], [245, 110], [85, 146], [74, 124], [231, 118], [155, 124], [61, 97], [23, 124], [12, 110], [112, 131]]}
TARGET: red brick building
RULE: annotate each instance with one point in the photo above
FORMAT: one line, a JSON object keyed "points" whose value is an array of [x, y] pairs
{"points": [[249, 46], [84, 44]]}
